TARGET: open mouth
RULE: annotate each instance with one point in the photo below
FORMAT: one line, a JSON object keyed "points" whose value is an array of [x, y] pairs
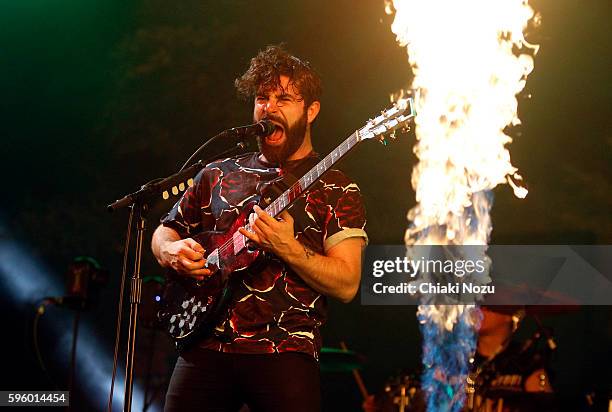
{"points": [[276, 135]]}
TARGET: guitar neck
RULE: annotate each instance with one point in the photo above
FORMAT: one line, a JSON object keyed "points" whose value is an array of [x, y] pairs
{"points": [[388, 121], [238, 241], [290, 195]]}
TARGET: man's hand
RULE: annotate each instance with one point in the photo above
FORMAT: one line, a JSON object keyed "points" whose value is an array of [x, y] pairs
{"points": [[276, 236], [334, 274], [185, 256]]}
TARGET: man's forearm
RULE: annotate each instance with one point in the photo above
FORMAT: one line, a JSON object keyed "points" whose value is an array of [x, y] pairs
{"points": [[162, 235], [329, 275]]}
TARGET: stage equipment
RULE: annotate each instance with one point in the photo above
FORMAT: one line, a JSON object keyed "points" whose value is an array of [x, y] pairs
{"points": [[340, 360], [357, 376], [84, 279], [138, 203], [262, 128], [493, 384]]}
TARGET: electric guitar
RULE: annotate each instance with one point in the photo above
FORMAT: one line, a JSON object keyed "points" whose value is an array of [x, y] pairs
{"points": [[191, 308]]}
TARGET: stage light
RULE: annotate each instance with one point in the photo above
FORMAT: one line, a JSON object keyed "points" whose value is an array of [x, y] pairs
{"points": [[94, 372], [25, 280]]}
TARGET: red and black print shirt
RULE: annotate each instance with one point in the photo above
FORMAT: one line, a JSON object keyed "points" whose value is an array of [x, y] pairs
{"points": [[272, 309]]}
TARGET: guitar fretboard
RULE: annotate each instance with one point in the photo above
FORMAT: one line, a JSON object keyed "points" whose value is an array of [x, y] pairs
{"points": [[289, 195], [388, 121], [284, 201]]}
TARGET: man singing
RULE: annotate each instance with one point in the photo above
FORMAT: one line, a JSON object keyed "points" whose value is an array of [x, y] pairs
{"points": [[264, 349]]}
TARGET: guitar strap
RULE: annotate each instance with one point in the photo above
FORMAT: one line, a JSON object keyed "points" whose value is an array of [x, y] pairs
{"points": [[290, 174], [272, 189]]}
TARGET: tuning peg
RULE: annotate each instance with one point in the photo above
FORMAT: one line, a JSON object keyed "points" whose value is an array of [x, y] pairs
{"points": [[392, 135]]}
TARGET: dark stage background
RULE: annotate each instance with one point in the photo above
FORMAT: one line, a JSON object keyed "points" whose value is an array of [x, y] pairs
{"points": [[101, 96]]}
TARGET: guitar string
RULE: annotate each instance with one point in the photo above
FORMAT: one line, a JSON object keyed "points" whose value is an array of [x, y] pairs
{"points": [[350, 142], [352, 139]]}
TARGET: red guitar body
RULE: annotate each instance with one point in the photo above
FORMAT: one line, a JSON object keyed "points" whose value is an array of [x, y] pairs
{"points": [[191, 308]]}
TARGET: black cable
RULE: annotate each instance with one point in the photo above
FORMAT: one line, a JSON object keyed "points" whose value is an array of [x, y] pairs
{"points": [[206, 143], [120, 306]]}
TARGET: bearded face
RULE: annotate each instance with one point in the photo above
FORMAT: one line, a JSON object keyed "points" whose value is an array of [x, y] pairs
{"points": [[285, 107], [285, 140]]}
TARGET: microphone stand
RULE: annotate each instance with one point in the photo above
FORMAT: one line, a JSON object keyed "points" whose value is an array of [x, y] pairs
{"points": [[139, 203], [73, 360]]}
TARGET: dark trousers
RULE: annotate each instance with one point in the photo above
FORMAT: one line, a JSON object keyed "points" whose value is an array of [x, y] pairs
{"points": [[207, 380]]}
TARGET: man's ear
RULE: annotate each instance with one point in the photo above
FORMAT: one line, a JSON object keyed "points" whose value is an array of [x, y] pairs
{"points": [[313, 111]]}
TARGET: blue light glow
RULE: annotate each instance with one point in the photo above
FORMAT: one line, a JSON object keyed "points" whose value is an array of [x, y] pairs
{"points": [[26, 280]]}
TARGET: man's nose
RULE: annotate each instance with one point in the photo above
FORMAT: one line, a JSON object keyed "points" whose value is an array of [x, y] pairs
{"points": [[271, 106]]}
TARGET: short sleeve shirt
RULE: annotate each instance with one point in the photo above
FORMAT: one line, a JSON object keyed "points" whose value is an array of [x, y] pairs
{"points": [[272, 309]]}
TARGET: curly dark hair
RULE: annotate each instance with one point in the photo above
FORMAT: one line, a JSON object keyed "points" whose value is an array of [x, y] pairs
{"points": [[269, 65]]}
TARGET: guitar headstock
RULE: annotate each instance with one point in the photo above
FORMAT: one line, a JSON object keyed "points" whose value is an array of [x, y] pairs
{"points": [[389, 121]]}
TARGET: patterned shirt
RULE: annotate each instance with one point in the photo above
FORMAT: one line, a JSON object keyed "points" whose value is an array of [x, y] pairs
{"points": [[272, 309]]}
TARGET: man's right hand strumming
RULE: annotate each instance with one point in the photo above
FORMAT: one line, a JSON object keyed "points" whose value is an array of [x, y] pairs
{"points": [[184, 256]]}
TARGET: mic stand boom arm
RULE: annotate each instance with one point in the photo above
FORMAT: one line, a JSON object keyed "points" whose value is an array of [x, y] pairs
{"points": [[139, 201], [156, 187]]}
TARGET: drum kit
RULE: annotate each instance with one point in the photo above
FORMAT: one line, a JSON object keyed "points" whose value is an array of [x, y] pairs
{"points": [[495, 384]]}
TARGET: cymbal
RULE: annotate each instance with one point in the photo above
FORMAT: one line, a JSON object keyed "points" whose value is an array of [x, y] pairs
{"points": [[535, 301], [537, 310], [546, 310], [340, 360]]}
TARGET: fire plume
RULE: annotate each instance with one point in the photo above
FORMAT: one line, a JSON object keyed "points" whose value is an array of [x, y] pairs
{"points": [[469, 59]]}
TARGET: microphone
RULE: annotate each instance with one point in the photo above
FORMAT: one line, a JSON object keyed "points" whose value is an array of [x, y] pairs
{"points": [[262, 128]]}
